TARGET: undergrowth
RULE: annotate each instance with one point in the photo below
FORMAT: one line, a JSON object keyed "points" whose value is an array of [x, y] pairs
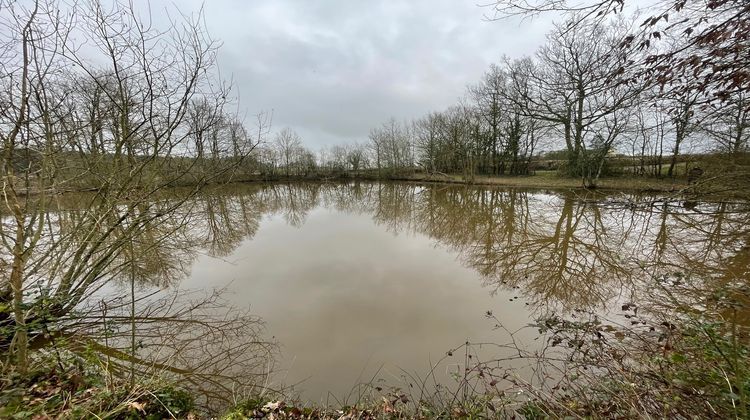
{"points": [[64, 385]]}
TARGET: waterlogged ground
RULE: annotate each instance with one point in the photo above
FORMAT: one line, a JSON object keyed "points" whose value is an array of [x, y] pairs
{"points": [[378, 282]]}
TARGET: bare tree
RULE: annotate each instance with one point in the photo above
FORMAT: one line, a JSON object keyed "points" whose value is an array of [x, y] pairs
{"points": [[392, 147], [127, 140], [488, 97], [729, 124], [571, 89], [288, 144], [682, 117], [355, 156], [426, 132], [713, 37]]}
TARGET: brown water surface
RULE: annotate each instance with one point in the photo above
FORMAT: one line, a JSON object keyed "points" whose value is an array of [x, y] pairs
{"points": [[380, 280]]}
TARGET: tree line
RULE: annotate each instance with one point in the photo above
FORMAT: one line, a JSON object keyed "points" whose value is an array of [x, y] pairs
{"points": [[605, 82], [579, 93]]}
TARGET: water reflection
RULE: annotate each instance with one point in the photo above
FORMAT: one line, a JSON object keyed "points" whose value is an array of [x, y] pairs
{"points": [[352, 276], [359, 280], [560, 248]]}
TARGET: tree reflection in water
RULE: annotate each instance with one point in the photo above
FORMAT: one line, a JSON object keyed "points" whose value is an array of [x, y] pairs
{"points": [[563, 251]]}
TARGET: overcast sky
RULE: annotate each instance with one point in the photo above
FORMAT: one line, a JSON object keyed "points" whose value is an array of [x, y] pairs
{"points": [[332, 70]]}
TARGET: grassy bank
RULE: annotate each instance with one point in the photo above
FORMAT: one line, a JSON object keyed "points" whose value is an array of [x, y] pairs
{"points": [[542, 179], [550, 179], [723, 186], [721, 179], [68, 385]]}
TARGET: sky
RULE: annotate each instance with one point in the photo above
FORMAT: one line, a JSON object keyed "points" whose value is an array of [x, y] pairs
{"points": [[332, 70]]}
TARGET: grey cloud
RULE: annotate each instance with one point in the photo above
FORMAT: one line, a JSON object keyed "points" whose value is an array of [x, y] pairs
{"points": [[334, 69]]}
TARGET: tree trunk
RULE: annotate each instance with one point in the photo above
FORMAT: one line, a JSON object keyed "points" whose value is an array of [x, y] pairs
{"points": [[20, 336]]}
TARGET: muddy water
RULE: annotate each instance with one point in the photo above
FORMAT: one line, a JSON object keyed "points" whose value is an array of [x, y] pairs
{"points": [[382, 282]]}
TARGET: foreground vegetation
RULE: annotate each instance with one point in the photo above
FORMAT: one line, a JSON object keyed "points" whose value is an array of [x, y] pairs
{"points": [[77, 385]]}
